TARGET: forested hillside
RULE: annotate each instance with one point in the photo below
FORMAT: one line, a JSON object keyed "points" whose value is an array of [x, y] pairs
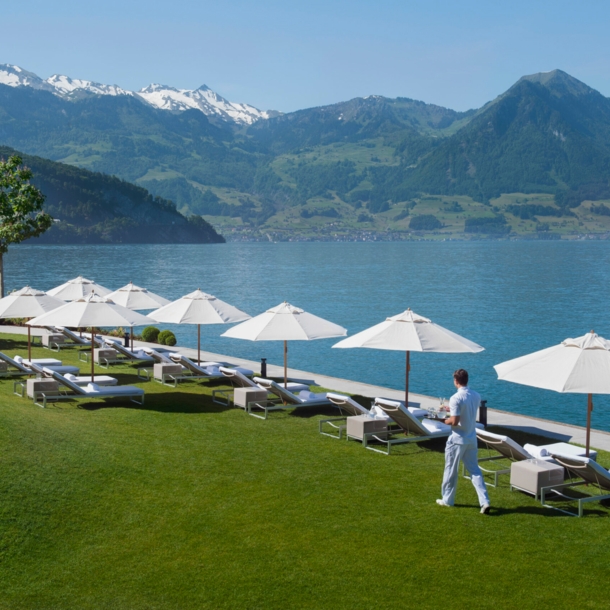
{"points": [[90, 207]]}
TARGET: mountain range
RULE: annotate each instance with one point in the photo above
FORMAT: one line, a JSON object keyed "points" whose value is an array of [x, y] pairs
{"points": [[530, 161], [157, 96]]}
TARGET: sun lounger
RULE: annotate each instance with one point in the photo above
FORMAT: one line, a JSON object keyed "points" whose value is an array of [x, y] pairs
{"points": [[413, 429], [159, 356], [587, 472], [16, 367], [75, 339], [52, 363], [510, 450], [239, 380], [287, 398], [345, 404], [90, 391], [137, 354], [205, 370]]}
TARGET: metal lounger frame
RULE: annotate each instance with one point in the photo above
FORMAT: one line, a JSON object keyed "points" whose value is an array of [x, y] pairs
{"points": [[397, 412], [276, 404], [79, 394], [342, 405], [572, 469]]}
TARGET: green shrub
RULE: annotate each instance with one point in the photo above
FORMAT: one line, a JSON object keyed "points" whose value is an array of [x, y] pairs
{"points": [[166, 337], [150, 334]]}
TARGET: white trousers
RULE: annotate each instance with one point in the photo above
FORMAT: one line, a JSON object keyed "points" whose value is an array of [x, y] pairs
{"points": [[468, 454]]}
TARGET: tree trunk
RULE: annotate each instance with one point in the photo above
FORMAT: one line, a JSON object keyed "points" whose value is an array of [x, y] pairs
{"points": [[1, 275]]}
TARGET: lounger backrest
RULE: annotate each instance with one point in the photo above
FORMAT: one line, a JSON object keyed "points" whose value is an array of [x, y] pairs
{"points": [[237, 377], [278, 390], [14, 363], [66, 332], [348, 404], [188, 363], [401, 415], [63, 380], [119, 347], [586, 469], [157, 356], [504, 445]]}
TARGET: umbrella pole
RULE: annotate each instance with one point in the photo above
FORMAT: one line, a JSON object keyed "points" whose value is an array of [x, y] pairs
{"points": [[131, 335], [29, 344], [92, 354], [285, 364], [199, 344], [407, 369], [589, 409]]}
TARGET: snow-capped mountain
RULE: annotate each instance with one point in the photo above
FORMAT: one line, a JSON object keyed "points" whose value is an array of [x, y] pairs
{"points": [[159, 96], [204, 99]]}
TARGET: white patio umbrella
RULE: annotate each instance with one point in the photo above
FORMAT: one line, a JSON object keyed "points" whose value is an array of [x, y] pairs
{"points": [[27, 303], [198, 308], [285, 323], [78, 288], [136, 298], [94, 311], [409, 332], [575, 366]]}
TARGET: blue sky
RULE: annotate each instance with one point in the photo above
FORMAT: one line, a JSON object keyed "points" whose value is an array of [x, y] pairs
{"points": [[291, 55]]}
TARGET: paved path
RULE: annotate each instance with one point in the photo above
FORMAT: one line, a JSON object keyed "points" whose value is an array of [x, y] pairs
{"points": [[534, 425]]}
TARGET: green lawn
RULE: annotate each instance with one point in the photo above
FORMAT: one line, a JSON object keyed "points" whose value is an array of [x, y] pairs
{"points": [[184, 504]]}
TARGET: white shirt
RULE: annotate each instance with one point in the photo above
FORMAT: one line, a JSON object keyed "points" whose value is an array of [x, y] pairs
{"points": [[465, 403]]}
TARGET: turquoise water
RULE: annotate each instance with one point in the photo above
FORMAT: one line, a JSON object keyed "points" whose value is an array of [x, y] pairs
{"points": [[511, 297]]}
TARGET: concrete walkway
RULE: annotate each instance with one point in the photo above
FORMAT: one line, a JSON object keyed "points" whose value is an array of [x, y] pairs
{"points": [[534, 425]]}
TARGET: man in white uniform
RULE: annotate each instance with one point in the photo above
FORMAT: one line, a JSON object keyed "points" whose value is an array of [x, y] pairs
{"points": [[462, 444]]}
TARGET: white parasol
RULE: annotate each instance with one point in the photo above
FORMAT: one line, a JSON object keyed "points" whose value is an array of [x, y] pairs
{"points": [[136, 298], [93, 311], [77, 288], [575, 366], [285, 323], [198, 308], [27, 303], [409, 332]]}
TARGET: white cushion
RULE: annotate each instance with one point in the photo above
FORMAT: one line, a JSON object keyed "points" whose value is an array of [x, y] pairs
{"points": [[435, 426], [70, 376], [93, 387], [18, 359], [537, 452]]}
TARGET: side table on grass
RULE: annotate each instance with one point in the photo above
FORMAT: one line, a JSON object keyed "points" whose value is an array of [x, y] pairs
{"points": [[530, 475]]}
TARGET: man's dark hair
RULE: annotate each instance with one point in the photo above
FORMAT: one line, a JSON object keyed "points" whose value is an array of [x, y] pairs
{"points": [[461, 376]]}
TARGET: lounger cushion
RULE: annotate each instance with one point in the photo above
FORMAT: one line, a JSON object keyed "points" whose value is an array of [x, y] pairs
{"points": [[306, 395], [435, 427], [93, 387], [378, 412], [537, 452]]}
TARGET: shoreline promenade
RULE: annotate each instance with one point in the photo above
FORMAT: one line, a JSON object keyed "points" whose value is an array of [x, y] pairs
{"points": [[495, 417]]}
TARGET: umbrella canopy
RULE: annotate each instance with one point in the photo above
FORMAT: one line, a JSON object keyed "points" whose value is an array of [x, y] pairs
{"points": [[285, 323], [198, 308], [410, 332], [27, 303], [134, 297], [77, 288], [94, 311], [575, 366]]}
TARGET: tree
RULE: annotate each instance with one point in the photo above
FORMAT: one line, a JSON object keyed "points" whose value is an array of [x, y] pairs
{"points": [[21, 215]]}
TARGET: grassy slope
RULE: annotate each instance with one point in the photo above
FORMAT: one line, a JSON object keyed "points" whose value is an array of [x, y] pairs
{"points": [[182, 504]]}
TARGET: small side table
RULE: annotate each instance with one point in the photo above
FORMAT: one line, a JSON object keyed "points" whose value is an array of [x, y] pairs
{"points": [[243, 396], [359, 425], [531, 475]]}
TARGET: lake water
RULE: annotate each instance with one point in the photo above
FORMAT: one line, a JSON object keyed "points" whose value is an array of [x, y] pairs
{"points": [[511, 297]]}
